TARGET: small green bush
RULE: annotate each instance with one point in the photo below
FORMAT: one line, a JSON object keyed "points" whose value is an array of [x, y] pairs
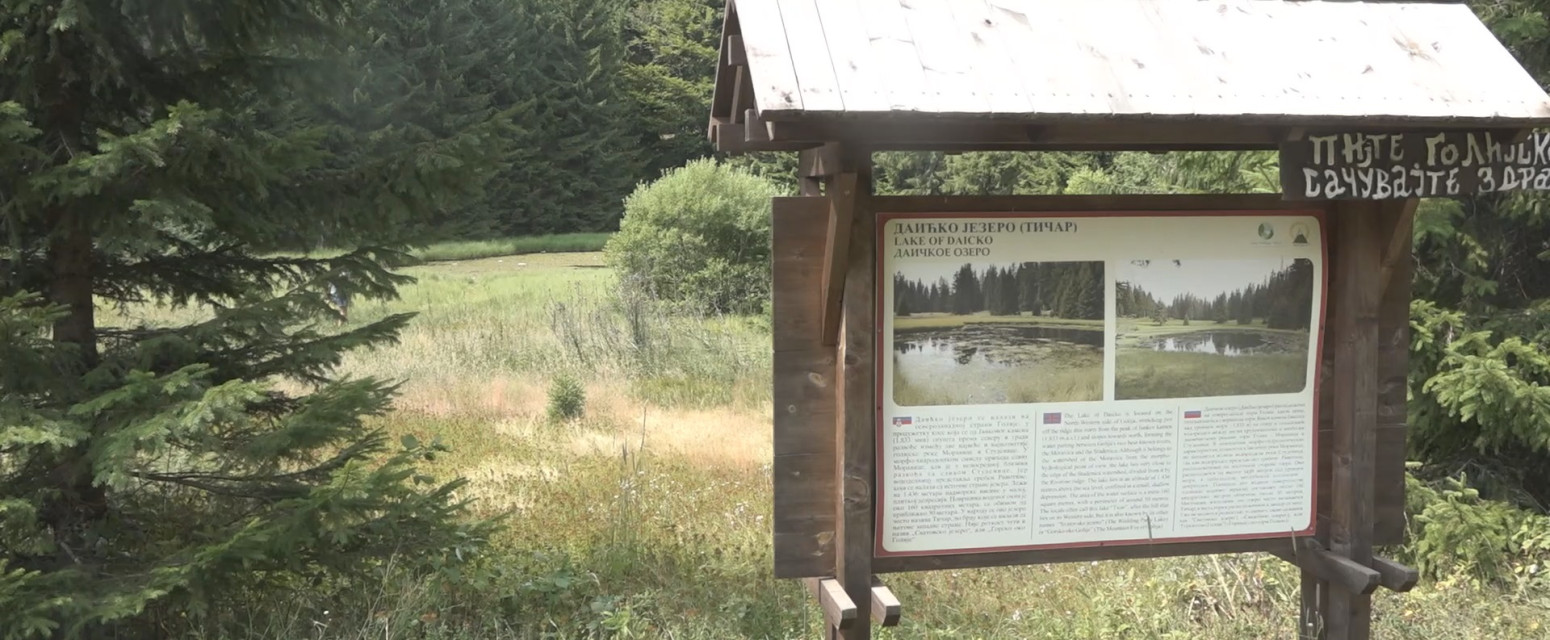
{"points": [[698, 236], [567, 399], [1455, 534]]}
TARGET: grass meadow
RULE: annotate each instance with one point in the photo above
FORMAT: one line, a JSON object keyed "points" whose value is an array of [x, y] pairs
{"points": [[650, 516], [1140, 372], [499, 247]]}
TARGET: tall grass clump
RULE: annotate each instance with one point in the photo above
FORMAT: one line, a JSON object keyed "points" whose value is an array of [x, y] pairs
{"points": [[672, 355], [699, 236]]}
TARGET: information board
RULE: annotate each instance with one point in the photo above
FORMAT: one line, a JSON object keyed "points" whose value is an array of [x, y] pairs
{"points": [[1065, 380]]}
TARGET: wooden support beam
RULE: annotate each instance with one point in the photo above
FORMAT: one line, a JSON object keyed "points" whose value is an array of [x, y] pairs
{"points": [[1398, 248], [842, 207], [885, 607], [839, 611], [730, 137], [737, 56], [824, 160], [855, 389], [754, 129], [949, 135], [1356, 277], [742, 98], [1310, 556], [1395, 576]]}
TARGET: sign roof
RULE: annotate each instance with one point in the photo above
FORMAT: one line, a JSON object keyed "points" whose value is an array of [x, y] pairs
{"points": [[1232, 62]]}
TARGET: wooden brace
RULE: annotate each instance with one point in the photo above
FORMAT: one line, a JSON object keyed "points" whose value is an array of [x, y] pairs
{"points": [[836, 257], [1312, 557], [885, 607], [839, 611]]}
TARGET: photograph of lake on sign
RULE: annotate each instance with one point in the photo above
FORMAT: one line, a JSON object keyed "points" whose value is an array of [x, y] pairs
{"points": [[1198, 328], [984, 333]]}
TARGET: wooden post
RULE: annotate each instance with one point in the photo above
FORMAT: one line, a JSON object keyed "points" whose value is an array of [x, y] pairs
{"points": [[1357, 280], [856, 389]]}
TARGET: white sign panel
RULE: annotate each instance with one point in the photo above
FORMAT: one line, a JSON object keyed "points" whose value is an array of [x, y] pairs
{"points": [[1051, 380]]}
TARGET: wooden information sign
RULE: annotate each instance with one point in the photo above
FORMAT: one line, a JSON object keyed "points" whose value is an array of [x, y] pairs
{"points": [[965, 382], [1078, 379], [1378, 166]]}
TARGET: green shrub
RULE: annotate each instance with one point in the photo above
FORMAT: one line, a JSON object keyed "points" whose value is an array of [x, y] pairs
{"points": [[567, 399], [699, 236], [1457, 535]]}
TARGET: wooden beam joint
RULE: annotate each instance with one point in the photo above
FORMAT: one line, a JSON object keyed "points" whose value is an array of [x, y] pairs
{"points": [[839, 611], [1395, 576], [885, 607], [1312, 557], [737, 56]]}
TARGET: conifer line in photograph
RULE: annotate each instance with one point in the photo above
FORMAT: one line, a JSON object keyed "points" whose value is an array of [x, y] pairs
{"points": [[982, 333], [1059, 289]]}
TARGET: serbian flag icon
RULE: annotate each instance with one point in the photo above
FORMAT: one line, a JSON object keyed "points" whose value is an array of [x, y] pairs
{"points": [[904, 421], [1191, 415], [1052, 418]]}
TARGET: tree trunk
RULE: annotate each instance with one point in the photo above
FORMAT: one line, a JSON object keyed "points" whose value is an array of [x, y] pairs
{"points": [[80, 501], [70, 286]]}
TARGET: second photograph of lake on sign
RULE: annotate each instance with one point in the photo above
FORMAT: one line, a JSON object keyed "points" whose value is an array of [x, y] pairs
{"points": [[1196, 328], [995, 333]]}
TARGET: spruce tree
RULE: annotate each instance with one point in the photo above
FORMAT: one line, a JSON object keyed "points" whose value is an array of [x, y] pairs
{"points": [[575, 156], [161, 154]]}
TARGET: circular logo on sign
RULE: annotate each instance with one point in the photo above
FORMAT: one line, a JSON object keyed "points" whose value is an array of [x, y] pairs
{"points": [[1299, 233], [1266, 231]]}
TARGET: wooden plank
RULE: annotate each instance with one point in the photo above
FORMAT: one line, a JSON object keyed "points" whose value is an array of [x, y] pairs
{"points": [[897, 564], [842, 204], [906, 132], [894, 50], [732, 138], [993, 66], [1395, 576], [769, 58], [1355, 334], [721, 93], [1331, 568], [951, 82], [1056, 70], [804, 472], [810, 57], [855, 66], [886, 609], [742, 94], [1393, 371], [857, 420], [733, 46], [839, 611]]}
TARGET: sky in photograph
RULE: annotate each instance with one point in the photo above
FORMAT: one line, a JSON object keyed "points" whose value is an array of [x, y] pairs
{"points": [[1166, 280]]}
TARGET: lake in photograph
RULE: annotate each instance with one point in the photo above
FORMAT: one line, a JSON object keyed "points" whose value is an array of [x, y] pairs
{"points": [[994, 363]]}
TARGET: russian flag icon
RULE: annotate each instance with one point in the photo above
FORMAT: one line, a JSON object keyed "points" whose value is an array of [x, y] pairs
{"points": [[1191, 415], [903, 421], [1052, 418]]}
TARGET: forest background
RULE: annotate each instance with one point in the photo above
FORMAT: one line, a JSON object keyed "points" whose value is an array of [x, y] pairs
{"points": [[225, 162]]}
